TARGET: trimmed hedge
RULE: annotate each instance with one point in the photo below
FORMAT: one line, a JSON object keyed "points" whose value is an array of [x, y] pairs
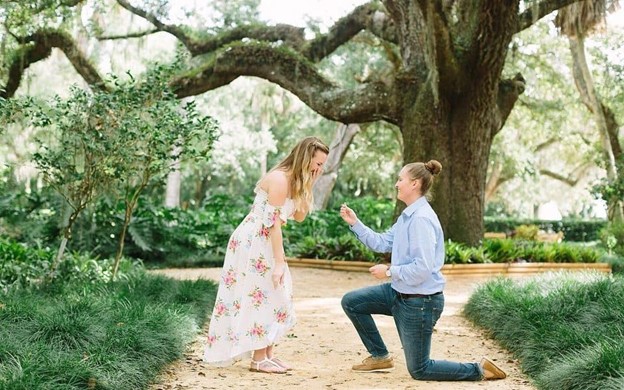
{"points": [[573, 229]]}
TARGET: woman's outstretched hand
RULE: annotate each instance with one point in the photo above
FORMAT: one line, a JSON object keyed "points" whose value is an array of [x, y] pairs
{"points": [[348, 215]]}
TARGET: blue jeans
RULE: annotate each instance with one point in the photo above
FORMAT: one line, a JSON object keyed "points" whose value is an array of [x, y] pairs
{"points": [[414, 319]]}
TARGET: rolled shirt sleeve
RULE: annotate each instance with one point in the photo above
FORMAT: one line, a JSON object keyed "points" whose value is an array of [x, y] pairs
{"points": [[379, 242]]}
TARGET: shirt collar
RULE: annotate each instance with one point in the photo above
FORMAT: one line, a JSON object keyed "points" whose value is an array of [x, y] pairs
{"points": [[414, 206]]}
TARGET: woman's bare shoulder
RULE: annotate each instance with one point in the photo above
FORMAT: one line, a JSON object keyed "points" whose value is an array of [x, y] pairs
{"points": [[273, 180]]}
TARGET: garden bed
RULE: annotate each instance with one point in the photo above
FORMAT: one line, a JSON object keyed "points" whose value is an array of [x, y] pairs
{"points": [[460, 269]]}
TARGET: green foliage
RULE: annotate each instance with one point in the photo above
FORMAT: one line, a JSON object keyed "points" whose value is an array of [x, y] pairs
{"points": [[526, 232], [334, 248], [461, 254], [507, 250], [616, 263], [501, 251], [105, 336], [573, 229], [33, 217], [77, 158], [12, 110], [612, 238], [610, 189], [22, 266], [565, 328], [118, 141]]}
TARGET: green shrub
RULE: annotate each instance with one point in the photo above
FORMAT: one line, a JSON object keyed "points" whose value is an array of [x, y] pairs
{"points": [[526, 232], [21, 266], [461, 254], [612, 238], [616, 263], [565, 328], [573, 229]]}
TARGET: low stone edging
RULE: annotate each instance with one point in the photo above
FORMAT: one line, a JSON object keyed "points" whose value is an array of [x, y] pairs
{"points": [[460, 269]]}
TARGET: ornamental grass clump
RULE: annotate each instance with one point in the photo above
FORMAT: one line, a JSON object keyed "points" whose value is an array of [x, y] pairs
{"points": [[98, 335], [565, 328]]}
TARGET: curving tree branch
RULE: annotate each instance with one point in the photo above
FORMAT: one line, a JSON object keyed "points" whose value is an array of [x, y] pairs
{"points": [[532, 14], [508, 92], [37, 47], [368, 16], [174, 30], [138, 34], [294, 73], [289, 35]]}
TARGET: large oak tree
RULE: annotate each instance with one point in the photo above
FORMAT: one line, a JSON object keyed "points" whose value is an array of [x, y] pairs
{"points": [[444, 88]]}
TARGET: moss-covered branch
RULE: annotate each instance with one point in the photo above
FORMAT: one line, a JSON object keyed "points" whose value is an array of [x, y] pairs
{"points": [[532, 14], [37, 47], [285, 67]]}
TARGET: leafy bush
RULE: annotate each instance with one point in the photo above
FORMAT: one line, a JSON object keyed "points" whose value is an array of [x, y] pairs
{"points": [[461, 254], [565, 328], [612, 238], [32, 217], [21, 266], [616, 263], [526, 232]]}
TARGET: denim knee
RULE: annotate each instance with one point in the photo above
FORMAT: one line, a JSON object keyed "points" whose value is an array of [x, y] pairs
{"points": [[346, 300], [418, 374]]}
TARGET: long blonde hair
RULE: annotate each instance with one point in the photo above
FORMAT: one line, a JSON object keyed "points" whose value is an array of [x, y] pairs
{"points": [[297, 167]]}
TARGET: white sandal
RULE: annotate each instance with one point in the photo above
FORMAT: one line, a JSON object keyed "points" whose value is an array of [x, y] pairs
{"points": [[280, 363], [266, 366]]}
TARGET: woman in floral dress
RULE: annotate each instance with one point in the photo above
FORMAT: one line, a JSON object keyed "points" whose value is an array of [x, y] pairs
{"points": [[253, 309]]}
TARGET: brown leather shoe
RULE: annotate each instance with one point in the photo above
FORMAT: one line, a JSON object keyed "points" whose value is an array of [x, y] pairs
{"points": [[491, 370], [371, 364]]}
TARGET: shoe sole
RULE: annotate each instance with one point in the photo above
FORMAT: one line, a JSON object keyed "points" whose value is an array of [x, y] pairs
{"points": [[267, 372], [374, 370], [499, 374]]}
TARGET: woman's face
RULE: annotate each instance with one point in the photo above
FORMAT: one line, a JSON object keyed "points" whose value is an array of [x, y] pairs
{"points": [[317, 162], [406, 187]]}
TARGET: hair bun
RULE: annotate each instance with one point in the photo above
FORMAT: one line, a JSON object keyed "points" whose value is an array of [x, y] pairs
{"points": [[433, 166]]}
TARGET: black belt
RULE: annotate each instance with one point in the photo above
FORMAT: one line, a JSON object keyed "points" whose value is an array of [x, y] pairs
{"points": [[408, 296]]}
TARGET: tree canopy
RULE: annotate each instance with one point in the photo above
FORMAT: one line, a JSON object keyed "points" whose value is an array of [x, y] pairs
{"points": [[439, 76]]}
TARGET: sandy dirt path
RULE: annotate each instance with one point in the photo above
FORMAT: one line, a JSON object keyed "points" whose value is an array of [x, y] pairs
{"points": [[323, 345]]}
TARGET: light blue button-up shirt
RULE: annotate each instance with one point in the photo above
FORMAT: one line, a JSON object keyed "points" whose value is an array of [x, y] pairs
{"points": [[416, 241]]}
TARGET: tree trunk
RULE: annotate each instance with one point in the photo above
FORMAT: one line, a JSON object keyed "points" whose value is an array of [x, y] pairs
{"points": [[174, 181], [494, 181], [610, 145], [457, 193], [337, 151]]}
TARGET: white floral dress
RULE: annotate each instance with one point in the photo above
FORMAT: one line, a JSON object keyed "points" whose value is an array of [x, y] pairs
{"points": [[249, 313]]}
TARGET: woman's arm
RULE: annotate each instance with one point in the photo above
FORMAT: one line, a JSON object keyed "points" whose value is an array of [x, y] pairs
{"points": [[277, 190]]}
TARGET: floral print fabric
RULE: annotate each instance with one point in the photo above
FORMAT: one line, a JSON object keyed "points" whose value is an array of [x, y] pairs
{"points": [[249, 313]]}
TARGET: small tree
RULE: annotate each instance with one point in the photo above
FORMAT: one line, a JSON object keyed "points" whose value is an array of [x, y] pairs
{"points": [[118, 141], [153, 134], [76, 157]]}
